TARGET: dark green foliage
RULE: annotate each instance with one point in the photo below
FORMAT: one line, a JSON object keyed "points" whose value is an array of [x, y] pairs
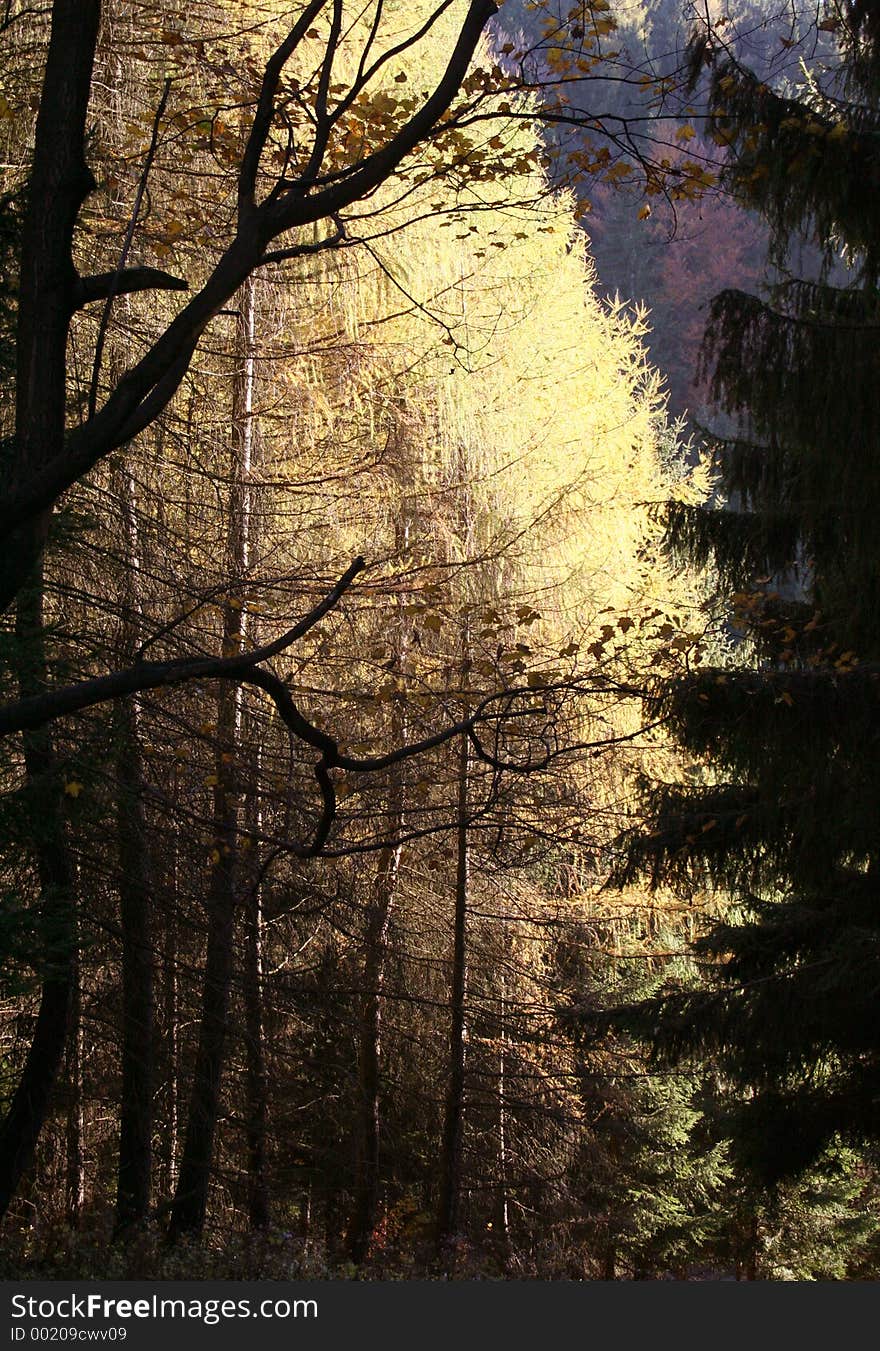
{"points": [[804, 378], [783, 818], [652, 1194], [808, 160], [740, 545], [761, 354], [792, 165]]}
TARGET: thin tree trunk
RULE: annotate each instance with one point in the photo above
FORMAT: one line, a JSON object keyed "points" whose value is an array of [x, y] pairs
{"points": [[191, 1197], [453, 1124], [135, 896], [503, 1214], [384, 886], [366, 1198], [170, 1040], [135, 891], [305, 1215], [256, 1079], [57, 917], [257, 1082], [449, 1198], [75, 1182]]}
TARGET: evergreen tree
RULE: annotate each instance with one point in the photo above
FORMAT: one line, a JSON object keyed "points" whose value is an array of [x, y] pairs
{"points": [[784, 820]]}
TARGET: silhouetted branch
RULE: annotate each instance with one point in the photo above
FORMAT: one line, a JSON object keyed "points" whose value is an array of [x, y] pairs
{"points": [[27, 714], [105, 285]]}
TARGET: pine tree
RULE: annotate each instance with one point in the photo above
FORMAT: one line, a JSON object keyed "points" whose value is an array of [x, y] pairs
{"points": [[784, 818]]}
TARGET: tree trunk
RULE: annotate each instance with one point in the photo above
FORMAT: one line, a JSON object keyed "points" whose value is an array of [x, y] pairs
{"points": [[368, 1124], [754, 1247], [170, 1040], [59, 183], [135, 891], [255, 1052], [503, 1220], [135, 896], [57, 916], [191, 1198], [366, 1198], [450, 1157], [74, 1198]]}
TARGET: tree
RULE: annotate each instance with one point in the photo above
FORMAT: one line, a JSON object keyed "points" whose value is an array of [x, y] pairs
{"points": [[782, 817], [45, 457], [322, 150]]}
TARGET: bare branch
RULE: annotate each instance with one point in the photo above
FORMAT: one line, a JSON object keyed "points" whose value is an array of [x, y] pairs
{"points": [[335, 241], [39, 709], [147, 388], [105, 285], [364, 76], [262, 123], [293, 209], [324, 124]]}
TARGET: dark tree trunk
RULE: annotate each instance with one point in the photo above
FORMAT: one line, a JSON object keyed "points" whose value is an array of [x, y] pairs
{"points": [[754, 1246], [191, 1198], [257, 1083], [169, 1041], [366, 1198], [59, 183], [74, 1198], [57, 916], [502, 1209], [256, 1080], [368, 1124]]}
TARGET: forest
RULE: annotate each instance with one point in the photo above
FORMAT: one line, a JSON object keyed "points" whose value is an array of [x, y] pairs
{"points": [[439, 587]]}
